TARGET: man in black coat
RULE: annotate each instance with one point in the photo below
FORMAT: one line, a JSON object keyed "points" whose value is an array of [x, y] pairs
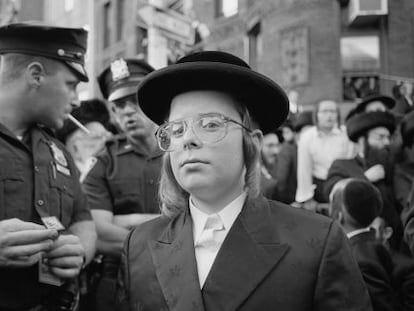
{"points": [[371, 131]]}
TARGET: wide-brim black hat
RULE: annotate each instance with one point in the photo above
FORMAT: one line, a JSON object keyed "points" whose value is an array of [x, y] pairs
{"points": [[304, 118], [266, 102], [360, 123]]}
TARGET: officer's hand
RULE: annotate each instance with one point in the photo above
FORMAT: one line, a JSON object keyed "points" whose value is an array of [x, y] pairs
{"points": [[375, 173], [22, 242], [66, 256]]}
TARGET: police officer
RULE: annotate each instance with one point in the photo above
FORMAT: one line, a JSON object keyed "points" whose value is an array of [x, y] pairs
{"points": [[46, 231], [122, 186]]}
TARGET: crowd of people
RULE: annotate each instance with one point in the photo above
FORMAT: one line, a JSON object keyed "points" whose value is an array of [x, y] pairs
{"points": [[193, 187]]}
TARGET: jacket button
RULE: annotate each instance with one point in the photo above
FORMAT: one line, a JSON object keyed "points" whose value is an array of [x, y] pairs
{"points": [[40, 202], [36, 168]]}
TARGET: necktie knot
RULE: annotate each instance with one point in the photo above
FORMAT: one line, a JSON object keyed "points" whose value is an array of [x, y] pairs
{"points": [[208, 238], [214, 223]]}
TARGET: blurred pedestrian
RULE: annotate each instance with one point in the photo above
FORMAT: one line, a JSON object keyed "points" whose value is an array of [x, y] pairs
{"points": [[371, 131], [286, 169], [317, 149], [269, 161]]}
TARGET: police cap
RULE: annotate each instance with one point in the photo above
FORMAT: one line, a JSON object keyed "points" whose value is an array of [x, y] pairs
{"points": [[64, 44], [121, 78]]}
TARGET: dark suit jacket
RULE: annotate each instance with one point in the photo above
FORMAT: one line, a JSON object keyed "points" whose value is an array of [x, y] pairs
{"points": [[274, 257], [355, 168], [376, 266]]}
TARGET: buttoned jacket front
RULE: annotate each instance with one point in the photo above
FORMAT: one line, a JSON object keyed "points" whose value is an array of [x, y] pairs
{"points": [[274, 257]]}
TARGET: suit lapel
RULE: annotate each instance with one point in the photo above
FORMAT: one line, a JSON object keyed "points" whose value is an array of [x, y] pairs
{"points": [[250, 251], [175, 266]]}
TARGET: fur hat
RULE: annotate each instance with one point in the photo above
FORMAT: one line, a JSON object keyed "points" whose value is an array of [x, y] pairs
{"points": [[388, 102], [359, 124]]}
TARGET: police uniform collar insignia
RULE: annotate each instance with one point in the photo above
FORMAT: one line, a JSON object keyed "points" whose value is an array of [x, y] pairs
{"points": [[58, 155], [119, 70]]}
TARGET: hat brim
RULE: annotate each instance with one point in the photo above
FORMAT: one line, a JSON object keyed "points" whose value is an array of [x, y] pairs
{"points": [[266, 101], [122, 92], [79, 70]]}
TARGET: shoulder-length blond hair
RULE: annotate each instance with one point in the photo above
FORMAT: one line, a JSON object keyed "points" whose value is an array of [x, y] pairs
{"points": [[174, 198]]}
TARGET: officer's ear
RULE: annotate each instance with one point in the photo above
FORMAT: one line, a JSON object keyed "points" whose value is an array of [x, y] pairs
{"points": [[35, 73]]}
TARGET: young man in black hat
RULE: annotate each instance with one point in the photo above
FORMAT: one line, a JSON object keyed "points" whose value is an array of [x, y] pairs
{"points": [[220, 245], [122, 186], [46, 230], [355, 203], [286, 170], [371, 131]]}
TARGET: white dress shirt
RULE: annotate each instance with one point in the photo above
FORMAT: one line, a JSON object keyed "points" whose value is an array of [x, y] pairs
{"points": [[204, 256], [316, 152]]}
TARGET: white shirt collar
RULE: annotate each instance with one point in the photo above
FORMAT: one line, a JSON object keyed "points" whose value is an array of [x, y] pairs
{"points": [[358, 231], [227, 215]]}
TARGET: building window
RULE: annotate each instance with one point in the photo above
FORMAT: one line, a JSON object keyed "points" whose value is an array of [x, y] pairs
{"points": [[119, 19], [226, 8], [253, 36], [294, 51], [360, 57], [360, 53], [106, 24]]}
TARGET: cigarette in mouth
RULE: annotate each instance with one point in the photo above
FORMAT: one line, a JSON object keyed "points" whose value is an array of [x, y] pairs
{"points": [[78, 124]]}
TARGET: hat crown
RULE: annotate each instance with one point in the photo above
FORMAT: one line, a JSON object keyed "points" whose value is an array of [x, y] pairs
{"points": [[122, 73], [214, 56], [67, 45]]}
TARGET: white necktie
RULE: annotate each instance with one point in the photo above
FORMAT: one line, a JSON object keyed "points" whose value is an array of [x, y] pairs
{"points": [[208, 238], [208, 245]]}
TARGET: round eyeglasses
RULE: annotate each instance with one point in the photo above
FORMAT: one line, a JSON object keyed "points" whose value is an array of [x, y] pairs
{"points": [[208, 128]]}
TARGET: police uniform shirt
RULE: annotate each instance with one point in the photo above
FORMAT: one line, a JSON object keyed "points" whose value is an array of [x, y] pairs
{"points": [[124, 180], [37, 178]]}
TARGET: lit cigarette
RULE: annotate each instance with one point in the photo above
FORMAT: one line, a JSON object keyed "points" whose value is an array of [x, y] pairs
{"points": [[78, 124]]}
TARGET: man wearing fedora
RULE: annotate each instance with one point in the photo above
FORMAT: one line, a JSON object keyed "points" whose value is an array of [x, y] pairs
{"points": [[371, 131], [219, 244], [122, 186], [46, 230]]}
